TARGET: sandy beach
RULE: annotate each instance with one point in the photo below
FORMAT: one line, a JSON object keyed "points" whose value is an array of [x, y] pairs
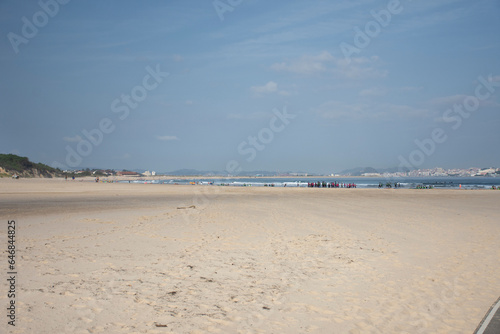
{"points": [[145, 258]]}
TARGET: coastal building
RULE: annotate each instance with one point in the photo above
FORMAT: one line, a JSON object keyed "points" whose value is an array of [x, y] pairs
{"points": [[371, 174], [486, 171]]}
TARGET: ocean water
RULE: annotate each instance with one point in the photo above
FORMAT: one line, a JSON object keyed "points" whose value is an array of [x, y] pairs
{"points": [[360, 182]]}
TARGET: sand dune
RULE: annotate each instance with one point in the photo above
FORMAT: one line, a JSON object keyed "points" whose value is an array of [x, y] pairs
{"points": [[133, 258]]}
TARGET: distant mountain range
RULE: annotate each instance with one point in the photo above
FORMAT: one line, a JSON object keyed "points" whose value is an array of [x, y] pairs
{"points": [[348, 172], [195, 172], [358, 171]]}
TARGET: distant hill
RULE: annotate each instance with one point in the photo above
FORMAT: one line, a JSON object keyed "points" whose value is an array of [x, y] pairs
{"points": [[11, 164], [358, 171], [189, 172], [195, 172]]}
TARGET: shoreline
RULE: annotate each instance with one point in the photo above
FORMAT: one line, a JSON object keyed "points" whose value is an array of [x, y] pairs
{"points": [[199, 177], [167, 177], [406, 183]]}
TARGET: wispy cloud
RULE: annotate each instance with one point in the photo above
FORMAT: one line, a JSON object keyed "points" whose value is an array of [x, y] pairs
{"points": [[167, 138], [269, 87], [374, 91], [363, 111], [337, 109], [422, 15], [298, 13], [445, 102], [250, 116], [411, 89], [74, 139], [306, 64], [358, 68], [285, 25]]}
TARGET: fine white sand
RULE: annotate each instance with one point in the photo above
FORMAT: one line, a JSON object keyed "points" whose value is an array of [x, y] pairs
{"points": [[137, 258]]}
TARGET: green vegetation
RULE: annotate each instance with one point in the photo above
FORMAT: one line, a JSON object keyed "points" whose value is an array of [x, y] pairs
{"points": [[89, 172], [15, 164]]}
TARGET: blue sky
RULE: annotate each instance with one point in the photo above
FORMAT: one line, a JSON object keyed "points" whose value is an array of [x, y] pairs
{"points": [[357, 87]]}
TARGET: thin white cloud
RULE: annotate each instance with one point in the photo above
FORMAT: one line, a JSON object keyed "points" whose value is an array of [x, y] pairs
{"points": [[400, 110], [305, 64], [363, 111], [336, 110], [374, 91], [411, 89], [189, 102], [250, 116], [303, 12], [74, 139], [357, 68], [290, 24], [445, 102], [167, 138], [423, 16], [269, 87]]}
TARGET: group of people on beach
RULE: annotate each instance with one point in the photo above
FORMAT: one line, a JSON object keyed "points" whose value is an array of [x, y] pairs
{"points": [[325, 184], [389, 185], [422, 186]]}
